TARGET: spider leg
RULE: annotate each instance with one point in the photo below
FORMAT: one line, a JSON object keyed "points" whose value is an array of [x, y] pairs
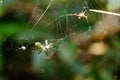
{"points": [[46, 42], [50, 45], [46, 51]]}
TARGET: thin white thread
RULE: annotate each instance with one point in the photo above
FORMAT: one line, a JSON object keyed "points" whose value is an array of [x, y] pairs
{"points": [[42, 15]]}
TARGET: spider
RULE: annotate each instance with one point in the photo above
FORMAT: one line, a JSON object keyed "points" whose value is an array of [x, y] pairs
{"points": [[44, 47], [80, 15]]}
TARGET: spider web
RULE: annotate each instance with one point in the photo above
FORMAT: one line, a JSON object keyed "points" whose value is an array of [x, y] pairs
{"points": [[64, 25]]}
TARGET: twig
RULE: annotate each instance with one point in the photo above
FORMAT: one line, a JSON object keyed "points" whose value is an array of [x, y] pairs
{"points": [[104, 12]]}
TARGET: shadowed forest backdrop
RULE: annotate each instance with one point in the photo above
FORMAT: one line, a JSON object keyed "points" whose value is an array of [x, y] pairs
{"points": [[70, 46]]}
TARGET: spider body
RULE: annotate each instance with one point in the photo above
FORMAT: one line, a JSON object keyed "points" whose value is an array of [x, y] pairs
{"points": [[44, 47], [79, 15]]}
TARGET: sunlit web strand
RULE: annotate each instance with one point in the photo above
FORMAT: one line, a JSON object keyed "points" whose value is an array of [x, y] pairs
{"points": [[42, 15], [34, 10], [32, 14]]}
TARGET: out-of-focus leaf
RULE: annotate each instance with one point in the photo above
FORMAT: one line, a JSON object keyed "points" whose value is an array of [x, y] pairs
{"points": [[1, 10], [10, 28], [113, 4]]}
